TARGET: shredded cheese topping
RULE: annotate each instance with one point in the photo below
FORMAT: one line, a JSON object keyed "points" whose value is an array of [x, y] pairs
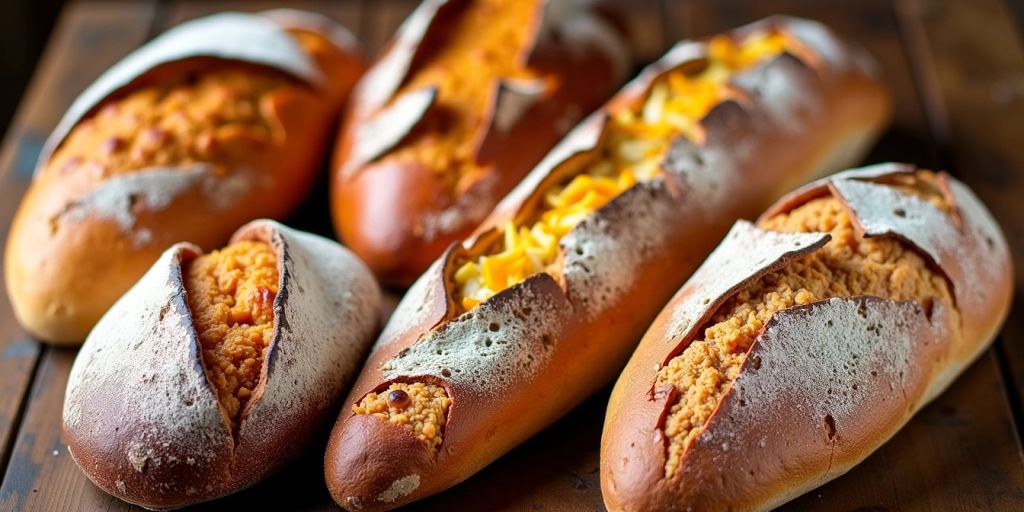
{"points": [[636, 141]]}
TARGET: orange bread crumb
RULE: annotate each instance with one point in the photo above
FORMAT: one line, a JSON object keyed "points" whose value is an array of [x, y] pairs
{"points": [[420, 407], [848, 265], [216, 116], [486, 43], [231, 296]]}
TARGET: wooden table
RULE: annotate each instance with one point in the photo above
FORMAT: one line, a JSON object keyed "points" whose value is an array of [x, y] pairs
{"points": [[957, 72]]}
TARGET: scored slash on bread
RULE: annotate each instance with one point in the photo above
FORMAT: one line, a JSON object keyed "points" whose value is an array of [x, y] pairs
{"points": [[462, 103], [825, 382], [141, 416], [522, 358]]}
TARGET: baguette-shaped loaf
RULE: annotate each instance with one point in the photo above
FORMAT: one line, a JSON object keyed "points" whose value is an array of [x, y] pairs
{"points": [[217, 122], [463, 103], [801, 345], [216, 370], [510, 330]]}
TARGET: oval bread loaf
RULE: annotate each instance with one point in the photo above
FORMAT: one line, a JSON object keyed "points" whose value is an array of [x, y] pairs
{"points": [[217, 122], [510, 330], [804, 343], [216, 369]]}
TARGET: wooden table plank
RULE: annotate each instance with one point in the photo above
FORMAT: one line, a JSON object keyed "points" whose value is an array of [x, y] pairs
{"points": [[962, 451], [79, 50], [41, 475], [972, 53]]}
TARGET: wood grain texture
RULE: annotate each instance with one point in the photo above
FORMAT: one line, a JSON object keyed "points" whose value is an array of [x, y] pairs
{"points": [[972, 56], [78, 52], [41, 475]]}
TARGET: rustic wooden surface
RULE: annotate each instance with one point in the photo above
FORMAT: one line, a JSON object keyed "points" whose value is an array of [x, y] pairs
{"points": [[957, 72]]}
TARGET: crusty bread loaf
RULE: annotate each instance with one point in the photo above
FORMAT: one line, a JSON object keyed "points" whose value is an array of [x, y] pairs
{"points": [[217, 122], [216, 370], [465, 100], [510, 330], [801, 345]]}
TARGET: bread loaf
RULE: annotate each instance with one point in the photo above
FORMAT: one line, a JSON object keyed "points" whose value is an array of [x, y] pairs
{"points": [[804, 343], [217, 369]]}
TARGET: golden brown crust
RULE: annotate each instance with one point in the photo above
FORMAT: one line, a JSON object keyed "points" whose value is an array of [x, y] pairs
{"points": [[451, 160], [142, 417], [522, 358], [93, 222], [855, 368]]}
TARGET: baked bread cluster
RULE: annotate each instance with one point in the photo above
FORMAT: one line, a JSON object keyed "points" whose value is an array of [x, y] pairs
{"points": [[519, 323], [187, 138], [541, 248]]}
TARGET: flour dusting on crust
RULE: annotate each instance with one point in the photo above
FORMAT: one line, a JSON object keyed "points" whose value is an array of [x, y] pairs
{"points": [[140, 409], [730, 266], [172, 405], [154, 189], [987, 256], [821, 368], [604, 252], [325, 320], [786, 89], [882, 210], [400, 488], [492, 347], [838, 55]]}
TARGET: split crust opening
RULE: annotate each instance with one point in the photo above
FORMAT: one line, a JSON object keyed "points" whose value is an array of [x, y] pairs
{"points": [[419, 407], [848, 265], [487, 42], [216, 115], [231, 296]]}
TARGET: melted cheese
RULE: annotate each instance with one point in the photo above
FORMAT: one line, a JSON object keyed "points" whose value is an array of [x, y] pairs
{"points": [[635, 143]]}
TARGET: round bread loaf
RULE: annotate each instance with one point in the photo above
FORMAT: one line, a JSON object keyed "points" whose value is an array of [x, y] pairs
{"points": [[217, 369]]}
